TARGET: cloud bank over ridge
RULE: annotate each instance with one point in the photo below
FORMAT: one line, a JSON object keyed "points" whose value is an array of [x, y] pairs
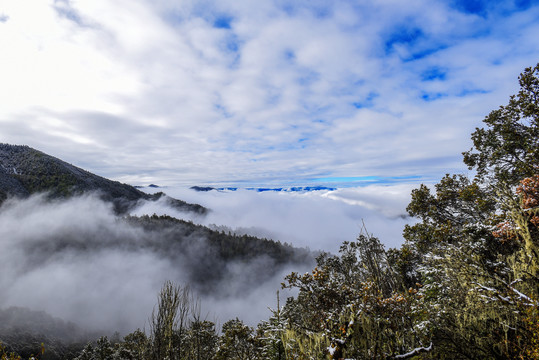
{"points": [[320, 220], [77, 261]]}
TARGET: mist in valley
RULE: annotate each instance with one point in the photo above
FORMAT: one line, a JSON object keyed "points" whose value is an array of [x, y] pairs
{"points": [[78, 261]]}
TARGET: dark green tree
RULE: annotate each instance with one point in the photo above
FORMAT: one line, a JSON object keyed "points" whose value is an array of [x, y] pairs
{"points": [[169, 321], [237, 342], [271, 334], [352, 305], [508, 148], [137, 345], [201, 340], [470, 286]]}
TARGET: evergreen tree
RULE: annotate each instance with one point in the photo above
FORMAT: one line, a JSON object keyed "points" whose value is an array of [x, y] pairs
{"points": [[475, 247], [352, 305], [238, 342], [201, 340]]}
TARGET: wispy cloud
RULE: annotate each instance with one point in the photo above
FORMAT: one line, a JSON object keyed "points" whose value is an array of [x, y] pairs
{"points": [[169, 92]]}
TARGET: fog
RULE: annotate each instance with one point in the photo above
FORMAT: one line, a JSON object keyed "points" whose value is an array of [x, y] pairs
{"points": [[76, 260], [320, 220]]}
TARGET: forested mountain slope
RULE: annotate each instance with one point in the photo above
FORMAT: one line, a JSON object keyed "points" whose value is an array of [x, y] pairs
{"points": [[25, 171], [212, 264], [56, 223]]}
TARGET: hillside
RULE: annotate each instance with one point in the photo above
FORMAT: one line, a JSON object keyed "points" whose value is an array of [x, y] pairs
{"points": [[203, 254], [25, 171], [206, 254], [75, 251], [216, 266], [24, 330]]}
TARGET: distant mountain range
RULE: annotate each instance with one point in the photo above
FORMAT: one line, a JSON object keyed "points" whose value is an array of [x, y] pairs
{"points": [[25, 171], [264, 189]]}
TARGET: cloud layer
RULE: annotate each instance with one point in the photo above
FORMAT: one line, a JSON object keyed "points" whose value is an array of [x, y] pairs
{"points": [[320, 220], [232, 91], [75, 260]]}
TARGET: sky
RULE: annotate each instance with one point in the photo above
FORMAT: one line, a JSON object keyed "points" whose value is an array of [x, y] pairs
{"points": [[259, 92]]}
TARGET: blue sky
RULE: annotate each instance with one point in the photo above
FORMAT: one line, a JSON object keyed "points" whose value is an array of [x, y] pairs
{"points": [[265, 92]]}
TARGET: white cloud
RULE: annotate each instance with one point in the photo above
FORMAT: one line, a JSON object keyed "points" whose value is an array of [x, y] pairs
{"points": [[320, 220], [154, 91]]}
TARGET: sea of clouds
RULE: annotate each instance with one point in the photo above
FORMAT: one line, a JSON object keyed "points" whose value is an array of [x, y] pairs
{"points": [[76, 260], [320, 220]]}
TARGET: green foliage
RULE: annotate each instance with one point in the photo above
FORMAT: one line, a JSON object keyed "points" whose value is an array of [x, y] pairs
{"points": [[238, 342], [475, 247], [5, 355], [136, 345], [202, 340], [508, 149], [271, 334], [164, 322], [11, 355], [457, 206], [352, 305], [176, 333], [211, 251]]}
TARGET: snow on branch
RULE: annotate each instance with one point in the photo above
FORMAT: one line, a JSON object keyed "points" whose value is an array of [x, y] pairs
{"points": [[414, 352], [524, 299]]}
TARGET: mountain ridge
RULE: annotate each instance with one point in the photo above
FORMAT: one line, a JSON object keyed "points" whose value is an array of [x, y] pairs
{"points": [[25, 171], [265, 189]]}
